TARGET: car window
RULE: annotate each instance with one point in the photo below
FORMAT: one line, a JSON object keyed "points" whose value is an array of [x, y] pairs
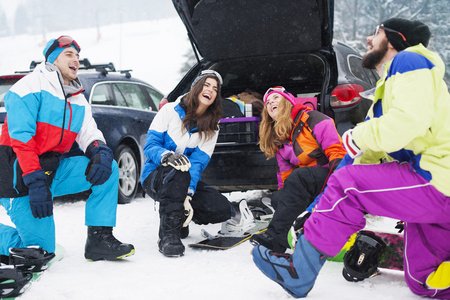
{"points": [[354, 64], [101, 96], [130, 94], [155, 96], [5, 85], [120, 98], [372, 75], [2, 96]]}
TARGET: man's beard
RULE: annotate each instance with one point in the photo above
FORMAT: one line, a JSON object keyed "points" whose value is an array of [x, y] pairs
{"points": [[372, 59]]}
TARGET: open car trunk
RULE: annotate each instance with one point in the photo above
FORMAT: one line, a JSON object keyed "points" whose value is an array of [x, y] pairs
{"points": [[254, 45]]}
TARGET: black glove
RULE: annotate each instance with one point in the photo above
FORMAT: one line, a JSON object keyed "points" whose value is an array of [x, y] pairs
{"points": [[177, 161], [99, 167], [300, 221], [296, 227], [41, 203]]}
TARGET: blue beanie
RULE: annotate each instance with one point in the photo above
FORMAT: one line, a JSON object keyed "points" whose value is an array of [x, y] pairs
{"points": [[54, 55]]}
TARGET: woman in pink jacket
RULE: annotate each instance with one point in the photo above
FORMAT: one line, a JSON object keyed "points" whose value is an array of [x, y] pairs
{"points": [[307, 148]]}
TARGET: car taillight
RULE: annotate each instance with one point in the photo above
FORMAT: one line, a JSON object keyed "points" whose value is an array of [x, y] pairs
{"points": [[12, 76], [163, 102], [346, 95]]}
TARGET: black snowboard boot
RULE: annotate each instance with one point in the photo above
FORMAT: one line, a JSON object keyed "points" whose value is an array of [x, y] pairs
{"points": [[102, 245], [169, 242]]}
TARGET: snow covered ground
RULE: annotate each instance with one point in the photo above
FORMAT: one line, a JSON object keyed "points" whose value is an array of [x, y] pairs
{"points": [[155, 51], [200, 274]]}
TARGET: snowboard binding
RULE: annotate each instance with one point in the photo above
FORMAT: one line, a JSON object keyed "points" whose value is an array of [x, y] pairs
{"points": [[12, 281], [244, 221], [32, 258], [252, 216], [361, 261]]}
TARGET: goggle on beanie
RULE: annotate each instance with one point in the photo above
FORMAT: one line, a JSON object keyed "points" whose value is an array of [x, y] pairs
{"points": [[58, 48]]}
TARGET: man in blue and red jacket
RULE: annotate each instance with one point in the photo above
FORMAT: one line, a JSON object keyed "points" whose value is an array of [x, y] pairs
{"points": [[46, 114]]}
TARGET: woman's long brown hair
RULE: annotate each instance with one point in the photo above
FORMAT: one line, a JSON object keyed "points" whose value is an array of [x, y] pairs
{"points": [[207, 123], [271, 132]]}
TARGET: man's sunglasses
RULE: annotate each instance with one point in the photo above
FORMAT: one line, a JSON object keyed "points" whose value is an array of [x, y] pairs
{"points": [[63, 41], [375, 33]]}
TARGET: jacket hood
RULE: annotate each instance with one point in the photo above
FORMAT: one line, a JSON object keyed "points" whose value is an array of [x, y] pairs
{"points": [[74, 87], [298, 108]]}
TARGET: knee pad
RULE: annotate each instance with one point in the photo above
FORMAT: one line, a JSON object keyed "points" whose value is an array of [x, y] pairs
{"points": [[361, 261]]}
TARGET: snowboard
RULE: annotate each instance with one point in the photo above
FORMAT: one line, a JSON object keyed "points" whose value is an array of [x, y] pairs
{"points": [[253, 220], [59, 254], [222, 242], [392, 257]]}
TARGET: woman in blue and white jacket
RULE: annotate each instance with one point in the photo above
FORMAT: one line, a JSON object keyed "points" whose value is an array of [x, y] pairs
{"points": [[179, 145]]}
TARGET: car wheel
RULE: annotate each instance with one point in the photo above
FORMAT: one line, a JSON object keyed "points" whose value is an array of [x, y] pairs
{"points": [[128, 173]]}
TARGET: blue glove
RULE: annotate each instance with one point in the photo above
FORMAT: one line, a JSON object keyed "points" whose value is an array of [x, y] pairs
{"points": [[99, 167], [41, 203]]}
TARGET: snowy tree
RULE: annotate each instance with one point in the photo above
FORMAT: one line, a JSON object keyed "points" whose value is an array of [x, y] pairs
{"points": [[354, 20], [4, 28], [20, 26], [191, 60]]}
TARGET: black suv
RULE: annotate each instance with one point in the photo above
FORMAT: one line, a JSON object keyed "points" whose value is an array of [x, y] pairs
{"points": [[257, 44], [123, 108]]}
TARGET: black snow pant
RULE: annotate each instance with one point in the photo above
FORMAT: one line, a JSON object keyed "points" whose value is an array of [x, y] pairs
{"points": [[300, 189], [169, 187]]}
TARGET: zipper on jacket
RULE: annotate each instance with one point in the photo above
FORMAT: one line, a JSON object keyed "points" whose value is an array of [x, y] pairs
{"points": [[15, 175], [64, 116]]}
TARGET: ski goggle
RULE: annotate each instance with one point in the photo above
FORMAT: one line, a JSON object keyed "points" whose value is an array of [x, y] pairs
{"points": [[273, 89], [206, 73], [62, 42], [377, 29], [213, 73]]}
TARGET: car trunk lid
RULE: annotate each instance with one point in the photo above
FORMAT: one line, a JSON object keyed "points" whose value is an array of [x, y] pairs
{"points": [[224, 29]]}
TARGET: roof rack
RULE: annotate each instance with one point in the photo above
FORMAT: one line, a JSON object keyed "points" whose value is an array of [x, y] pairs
{"points": [[126, 72], [85, 64]]}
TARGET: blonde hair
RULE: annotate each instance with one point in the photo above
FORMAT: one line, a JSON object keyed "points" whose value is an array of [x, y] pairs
{"points": [[272, 132]]}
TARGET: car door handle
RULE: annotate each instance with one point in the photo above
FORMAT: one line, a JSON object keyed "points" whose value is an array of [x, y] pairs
{"points": [[138, 120]]}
